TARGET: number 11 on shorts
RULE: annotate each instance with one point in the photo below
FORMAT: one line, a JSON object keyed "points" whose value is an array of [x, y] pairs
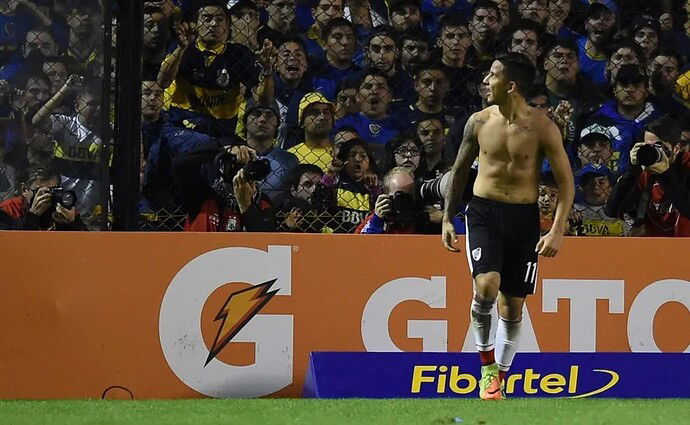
{"points": [[531, 268]]}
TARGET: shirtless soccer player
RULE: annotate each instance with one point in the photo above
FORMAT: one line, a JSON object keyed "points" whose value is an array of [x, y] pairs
{"points": [[503, 243]]}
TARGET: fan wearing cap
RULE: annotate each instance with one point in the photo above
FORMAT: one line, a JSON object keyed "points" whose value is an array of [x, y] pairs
{"points": [[261, 123], [595, 146], [627, 114], [589, 212], [316, 116], [404, 16], [600, 26]]}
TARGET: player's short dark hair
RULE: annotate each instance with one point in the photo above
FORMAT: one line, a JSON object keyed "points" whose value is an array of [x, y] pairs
{"points": [[337, 23], [666, 128], [452, 19], [519, 69], [564, 43], [486, 4]]}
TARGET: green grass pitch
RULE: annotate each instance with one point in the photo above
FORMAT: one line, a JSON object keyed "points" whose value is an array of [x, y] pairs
{"points": [[326, 412]]}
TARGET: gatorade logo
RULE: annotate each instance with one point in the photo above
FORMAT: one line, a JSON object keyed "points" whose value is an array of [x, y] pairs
{"points": [[188, 342]]}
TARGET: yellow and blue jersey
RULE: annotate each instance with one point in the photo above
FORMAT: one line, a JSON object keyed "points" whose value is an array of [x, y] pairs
{"points": [[209, 82]]}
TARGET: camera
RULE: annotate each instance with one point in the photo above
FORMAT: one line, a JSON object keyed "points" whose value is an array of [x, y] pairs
{"points": [[402, 206], [66, 198], [650, 154], [254, 170]]}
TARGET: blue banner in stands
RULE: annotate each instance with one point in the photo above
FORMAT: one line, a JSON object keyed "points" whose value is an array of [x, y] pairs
{"points": [[434, 375]]}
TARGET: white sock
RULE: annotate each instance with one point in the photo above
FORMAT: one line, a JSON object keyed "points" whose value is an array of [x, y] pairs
{"points": [[507, 337], [480, 314]]}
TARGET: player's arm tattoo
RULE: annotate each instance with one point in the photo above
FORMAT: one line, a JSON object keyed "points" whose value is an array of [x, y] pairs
{"points": [[469, 149]]}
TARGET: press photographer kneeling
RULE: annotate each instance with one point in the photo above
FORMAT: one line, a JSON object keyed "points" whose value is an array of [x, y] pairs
{"points": [[218, 188], [43, 205], [402, 208], [655, 196]]}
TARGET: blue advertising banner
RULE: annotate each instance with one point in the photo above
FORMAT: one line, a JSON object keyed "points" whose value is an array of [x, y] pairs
{"points": [[439, 375]]}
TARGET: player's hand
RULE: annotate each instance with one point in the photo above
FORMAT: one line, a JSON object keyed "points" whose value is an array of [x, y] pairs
{"points": [[43, 200], [549, 244], [448, 236], [63, 215], [383, 206]]}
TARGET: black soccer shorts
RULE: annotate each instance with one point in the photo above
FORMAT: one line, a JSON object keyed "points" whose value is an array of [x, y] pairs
{"points": [[502, 238]]}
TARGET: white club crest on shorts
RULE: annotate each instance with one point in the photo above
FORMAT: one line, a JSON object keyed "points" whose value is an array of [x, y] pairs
{"points": [[477, 253]]}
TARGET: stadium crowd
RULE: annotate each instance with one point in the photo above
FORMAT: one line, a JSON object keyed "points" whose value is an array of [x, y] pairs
{"points": [[342, 115]]}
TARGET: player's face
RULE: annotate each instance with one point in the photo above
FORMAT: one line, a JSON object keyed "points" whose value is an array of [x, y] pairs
{"points": [[431, 86], [498, 86], [382, 53], [212, 25], [292, 61], [408, 155]]}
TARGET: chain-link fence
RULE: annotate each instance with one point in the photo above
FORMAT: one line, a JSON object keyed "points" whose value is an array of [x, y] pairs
{"points": [[54, 126], [316, 101]]}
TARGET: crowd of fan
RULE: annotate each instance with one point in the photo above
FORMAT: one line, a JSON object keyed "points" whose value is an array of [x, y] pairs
{"points": [[344, 115]]}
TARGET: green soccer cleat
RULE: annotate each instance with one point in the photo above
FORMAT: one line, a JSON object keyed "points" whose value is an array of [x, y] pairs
{"points": [[489, 385]]}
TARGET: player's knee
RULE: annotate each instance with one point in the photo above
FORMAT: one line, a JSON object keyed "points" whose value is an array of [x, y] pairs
{"points": [[510, 313], [487, 284]]}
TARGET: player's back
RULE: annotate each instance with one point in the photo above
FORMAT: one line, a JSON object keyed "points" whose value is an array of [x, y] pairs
{"points": [[509, 156]]}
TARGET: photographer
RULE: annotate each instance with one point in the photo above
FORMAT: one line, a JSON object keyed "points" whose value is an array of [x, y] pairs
{"points": [[401, 206], [43, 205], [218, 188], [657, 197]]}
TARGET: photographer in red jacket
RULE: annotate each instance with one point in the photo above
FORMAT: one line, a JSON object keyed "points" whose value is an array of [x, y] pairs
{"points": [[43, 205], [657, 197]]}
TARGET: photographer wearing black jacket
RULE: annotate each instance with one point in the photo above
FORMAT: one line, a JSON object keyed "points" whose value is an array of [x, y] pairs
{"points": [[218, 188], [655, 194], [43, 205]]}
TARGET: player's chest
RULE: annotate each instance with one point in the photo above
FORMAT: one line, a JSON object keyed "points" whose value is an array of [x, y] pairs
{"points": [[508, 141]]}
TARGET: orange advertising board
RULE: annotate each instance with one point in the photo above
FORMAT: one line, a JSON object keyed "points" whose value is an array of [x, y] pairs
{"points": [[236, 315]]}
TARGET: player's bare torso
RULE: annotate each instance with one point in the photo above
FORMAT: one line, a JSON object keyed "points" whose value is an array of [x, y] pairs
{"points": [[510, 155]]}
